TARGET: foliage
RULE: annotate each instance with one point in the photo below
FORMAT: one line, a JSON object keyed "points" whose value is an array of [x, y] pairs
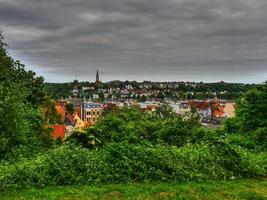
{"points": [[260, 134], [84, 139], [48, 112], [69, 108], [252, 107], [121, 163], [5, 60], [59, 90], [135, 126], [251, 115], [21, 94], [13, 112], [165, 111]]}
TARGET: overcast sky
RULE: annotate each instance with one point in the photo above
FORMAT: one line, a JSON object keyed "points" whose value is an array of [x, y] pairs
{"points": [[191, 40]]}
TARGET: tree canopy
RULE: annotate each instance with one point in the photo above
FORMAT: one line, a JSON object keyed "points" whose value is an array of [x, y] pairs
{"points": [[21, 95]]}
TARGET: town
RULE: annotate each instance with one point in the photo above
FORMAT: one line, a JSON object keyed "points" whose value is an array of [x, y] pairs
{"points": [[78, 112]]}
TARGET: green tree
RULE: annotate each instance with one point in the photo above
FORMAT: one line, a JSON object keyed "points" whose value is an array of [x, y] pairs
{"points": [[251, 109], [5, 60], [69, 108], [20, 96], [165, 111], [49, 113], [251, 115]]}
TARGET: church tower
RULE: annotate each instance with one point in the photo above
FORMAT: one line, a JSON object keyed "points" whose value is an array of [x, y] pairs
{"points": [[97, 80]]}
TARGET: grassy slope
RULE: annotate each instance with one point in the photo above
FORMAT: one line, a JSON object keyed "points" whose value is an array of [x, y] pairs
{"points": [[241, 189]]}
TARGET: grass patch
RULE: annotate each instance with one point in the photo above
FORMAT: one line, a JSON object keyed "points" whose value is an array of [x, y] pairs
{"points": [[246, 189]]}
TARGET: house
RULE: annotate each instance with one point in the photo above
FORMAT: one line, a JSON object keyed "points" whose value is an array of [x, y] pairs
{"points": [[181, 107], [95, 96], [219, 111], [77, 111], [202, 107], [80, 124], [229, 109], [59, 131], [70, 124]]}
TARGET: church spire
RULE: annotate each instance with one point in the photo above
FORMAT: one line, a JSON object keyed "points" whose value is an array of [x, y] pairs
{"points": [[97, 80]]}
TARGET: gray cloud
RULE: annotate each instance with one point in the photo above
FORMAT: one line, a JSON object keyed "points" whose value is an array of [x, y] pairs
{"points": [[202, 40]]}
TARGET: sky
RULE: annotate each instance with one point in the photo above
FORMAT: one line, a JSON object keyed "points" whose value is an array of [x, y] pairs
{"points": [[157, 40]]}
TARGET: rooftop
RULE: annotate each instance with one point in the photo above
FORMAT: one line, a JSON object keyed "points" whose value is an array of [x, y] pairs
{"points": [[91, 105]]}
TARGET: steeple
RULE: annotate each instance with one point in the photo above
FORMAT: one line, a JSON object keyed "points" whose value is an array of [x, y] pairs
{"points": [[97, 80]]}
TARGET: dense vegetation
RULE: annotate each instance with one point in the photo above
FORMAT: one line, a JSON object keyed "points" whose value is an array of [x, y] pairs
{"points": [[127, 145], [22, 97]]}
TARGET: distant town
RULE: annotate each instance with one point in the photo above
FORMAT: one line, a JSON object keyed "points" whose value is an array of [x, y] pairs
{"points": [[83, 103], [146, 90]]}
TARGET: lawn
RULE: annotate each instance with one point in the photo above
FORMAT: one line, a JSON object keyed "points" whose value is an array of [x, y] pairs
{"points": [[236, 189]]}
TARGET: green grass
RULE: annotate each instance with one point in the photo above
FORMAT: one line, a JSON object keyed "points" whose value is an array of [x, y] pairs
{"points": [[237, 189]]}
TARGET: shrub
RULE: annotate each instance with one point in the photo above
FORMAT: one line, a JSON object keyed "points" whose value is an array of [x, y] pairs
{"points": [[260, 135], [84, 139], [122, 162], [133, 126], [243, 140]]}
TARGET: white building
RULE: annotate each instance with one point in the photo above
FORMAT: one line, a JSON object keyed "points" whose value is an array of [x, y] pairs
{"points": [[91, 112]]}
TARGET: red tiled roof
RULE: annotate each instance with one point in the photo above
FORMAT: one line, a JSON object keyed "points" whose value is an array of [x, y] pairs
{"points": [[199, 104], [219, 111], [59, 131]]}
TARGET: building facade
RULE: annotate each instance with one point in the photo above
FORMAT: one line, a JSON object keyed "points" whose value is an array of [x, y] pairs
{"points": [[91, 112]]}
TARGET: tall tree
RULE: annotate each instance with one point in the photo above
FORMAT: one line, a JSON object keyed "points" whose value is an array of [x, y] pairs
{"points": [[20, 96], [252, 109]]}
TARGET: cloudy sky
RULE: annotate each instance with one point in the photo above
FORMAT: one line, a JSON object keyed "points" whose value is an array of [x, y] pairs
{"points": [[196, 40]]}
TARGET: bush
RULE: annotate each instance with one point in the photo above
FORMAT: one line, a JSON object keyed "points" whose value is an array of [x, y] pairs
{"points": [[260, 135], [84, 139], [133, 126], [244, 141], [122, 162]]}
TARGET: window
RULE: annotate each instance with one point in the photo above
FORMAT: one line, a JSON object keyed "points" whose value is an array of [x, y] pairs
{"points": [[93, 112]]}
